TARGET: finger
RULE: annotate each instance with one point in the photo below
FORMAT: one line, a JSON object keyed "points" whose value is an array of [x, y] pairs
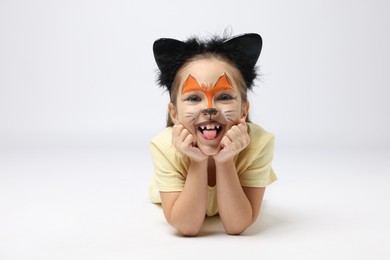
{"points": [[244, 133], [226, 142], [176, 129], [239, 136], [243, 127], [178, 135], [174, 134], [189, 141], [184, 133], [230, 135], [237, 131]]}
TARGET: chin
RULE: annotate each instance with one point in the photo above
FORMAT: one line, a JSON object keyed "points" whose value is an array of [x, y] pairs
{"points": [[209, 150]]}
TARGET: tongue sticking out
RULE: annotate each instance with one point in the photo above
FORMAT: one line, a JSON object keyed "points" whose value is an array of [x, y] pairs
{"points": [[210, 134]]}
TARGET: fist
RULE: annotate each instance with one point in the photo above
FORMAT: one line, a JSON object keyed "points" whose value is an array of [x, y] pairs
{"points": [[235, 140], [185, 142]]}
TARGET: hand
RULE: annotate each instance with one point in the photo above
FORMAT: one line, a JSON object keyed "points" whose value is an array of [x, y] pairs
{"points": [[185, 142], [234, 141]]}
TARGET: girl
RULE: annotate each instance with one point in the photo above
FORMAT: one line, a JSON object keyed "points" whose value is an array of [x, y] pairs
{"points": [[210, 159]]}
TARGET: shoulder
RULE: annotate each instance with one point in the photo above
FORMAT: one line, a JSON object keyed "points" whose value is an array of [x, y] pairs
{"points": [[254, 162], [261, 146], [161, 148], [164, 138], [259, 137], [162, 143]]}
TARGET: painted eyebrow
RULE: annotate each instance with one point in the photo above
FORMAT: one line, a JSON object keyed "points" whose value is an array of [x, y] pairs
{"points": [[191, 84], [223, 83]]}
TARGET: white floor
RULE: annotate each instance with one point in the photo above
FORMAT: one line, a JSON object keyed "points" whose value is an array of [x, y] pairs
{"points": [[92, 204]]}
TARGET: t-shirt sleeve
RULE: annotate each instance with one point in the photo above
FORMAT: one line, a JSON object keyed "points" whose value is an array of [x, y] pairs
{"points": [[167, 173], [257, 169]]}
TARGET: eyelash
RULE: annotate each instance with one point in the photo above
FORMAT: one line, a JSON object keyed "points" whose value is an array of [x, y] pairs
{"points": [[196, 98], [225, 97], [193, 98]]}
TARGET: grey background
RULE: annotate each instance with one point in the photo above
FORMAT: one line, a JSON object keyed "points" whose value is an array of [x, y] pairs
{"points": [[82, 72]]}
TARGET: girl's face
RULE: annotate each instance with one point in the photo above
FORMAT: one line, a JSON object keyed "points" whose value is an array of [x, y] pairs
{"points": [[208, 102]]}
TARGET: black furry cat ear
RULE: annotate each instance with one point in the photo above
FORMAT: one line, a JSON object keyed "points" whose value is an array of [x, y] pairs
{"points": [[165, 52], [242, 51], [249, 45]]}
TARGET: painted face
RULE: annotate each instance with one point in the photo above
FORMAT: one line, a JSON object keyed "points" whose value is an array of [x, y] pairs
{"points": [[208, 102], [191, 85]]}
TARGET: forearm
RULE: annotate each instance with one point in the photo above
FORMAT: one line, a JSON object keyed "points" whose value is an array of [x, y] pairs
{"points": [[188, 211], [234, 207]]}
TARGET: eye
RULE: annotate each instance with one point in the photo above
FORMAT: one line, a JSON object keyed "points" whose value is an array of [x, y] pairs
{"points": [[225, 97], [193, 98]]}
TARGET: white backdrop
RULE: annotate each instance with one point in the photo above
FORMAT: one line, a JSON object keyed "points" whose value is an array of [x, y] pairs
{"points": [[80, 74], [83, 73]]}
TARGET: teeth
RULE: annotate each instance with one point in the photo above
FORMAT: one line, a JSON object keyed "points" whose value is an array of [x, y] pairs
{"points": [[209, 127]]}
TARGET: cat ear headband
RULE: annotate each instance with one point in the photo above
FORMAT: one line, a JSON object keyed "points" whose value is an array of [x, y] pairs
{"points": [[242, 51]]}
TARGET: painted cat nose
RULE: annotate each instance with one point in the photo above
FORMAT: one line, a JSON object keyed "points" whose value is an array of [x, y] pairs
{"points": [[210, 111]]}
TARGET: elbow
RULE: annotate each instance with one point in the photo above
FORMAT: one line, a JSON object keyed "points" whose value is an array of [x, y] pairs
{"points": [[188, 231], [237, 228], [235, 231]]}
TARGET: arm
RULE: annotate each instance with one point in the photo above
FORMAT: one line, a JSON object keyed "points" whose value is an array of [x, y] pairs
{"points": [[238, 206], [186, 210]]}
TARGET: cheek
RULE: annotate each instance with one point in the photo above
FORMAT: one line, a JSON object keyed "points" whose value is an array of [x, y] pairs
{"points": [[189, 114], [231, 115], [231, 112]]}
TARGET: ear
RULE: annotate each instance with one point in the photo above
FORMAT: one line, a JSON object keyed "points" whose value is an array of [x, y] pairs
{"points": [[165, 52], [245, 110], [173, 113], [248, 45]]}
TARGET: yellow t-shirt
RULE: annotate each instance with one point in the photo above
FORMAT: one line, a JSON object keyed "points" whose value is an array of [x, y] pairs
{"points": [[253, 165]]}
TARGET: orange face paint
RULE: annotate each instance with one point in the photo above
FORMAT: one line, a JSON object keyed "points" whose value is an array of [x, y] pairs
{"points": [[223, 83]]}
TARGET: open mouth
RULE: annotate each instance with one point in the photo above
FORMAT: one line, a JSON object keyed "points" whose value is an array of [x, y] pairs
{"points": [[210, 131]]}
